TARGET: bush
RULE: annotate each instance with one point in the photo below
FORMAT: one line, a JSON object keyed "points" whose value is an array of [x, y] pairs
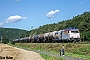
{"points": [[12, 42]]}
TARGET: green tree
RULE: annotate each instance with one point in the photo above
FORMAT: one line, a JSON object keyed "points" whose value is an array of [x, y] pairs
{"points": [[5, 40]]}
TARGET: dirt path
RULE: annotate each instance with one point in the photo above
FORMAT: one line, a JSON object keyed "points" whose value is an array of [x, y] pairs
{"points": [[12, 53]]}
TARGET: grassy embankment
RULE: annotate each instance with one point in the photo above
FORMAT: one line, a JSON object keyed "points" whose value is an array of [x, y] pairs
{"points": [[76, 50]]}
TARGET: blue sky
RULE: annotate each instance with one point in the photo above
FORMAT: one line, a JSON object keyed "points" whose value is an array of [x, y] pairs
{"points": [[24, 14]]}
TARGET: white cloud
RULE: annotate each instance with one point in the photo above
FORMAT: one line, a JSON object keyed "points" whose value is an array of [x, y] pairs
{"points": [[18, 0], [51, 14], [1, 24], [81, 3], [13, 19]]}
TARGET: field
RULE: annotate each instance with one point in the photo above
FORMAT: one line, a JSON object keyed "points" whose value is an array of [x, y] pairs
{"points": [[71, 49]]}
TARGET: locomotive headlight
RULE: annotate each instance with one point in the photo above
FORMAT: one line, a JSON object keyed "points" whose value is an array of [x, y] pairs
{"points": [[78, 36]]}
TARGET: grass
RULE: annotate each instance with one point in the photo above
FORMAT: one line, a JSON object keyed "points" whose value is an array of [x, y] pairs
{"points": [[79, 56], [46, 57], [76, 50]]}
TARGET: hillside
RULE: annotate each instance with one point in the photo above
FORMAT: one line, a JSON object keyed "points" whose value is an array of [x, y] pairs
{"points": [[11, 33], [82, 22]]}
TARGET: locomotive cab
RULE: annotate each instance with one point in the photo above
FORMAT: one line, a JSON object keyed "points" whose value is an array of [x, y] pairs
{"points": [[74, 35]]}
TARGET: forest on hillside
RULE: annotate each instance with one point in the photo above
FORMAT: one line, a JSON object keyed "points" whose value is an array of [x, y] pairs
{"points": [[12, 33], [82, 22]]}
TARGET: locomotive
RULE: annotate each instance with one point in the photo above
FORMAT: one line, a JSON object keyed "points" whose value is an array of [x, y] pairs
{"points": [[66, 35]]}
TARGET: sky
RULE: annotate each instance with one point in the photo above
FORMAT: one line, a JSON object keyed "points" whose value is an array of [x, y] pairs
{"points": [[25, 14]]}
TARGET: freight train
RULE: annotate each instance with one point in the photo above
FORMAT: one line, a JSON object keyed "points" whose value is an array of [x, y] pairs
{"points": [[67, 35]]}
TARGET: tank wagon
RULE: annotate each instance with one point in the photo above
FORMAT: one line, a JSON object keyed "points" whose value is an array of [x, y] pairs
{"points": [[67, 35]]}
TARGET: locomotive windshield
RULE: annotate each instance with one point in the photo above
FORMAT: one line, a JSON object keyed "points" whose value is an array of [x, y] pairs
{"points": [[74, 31]]}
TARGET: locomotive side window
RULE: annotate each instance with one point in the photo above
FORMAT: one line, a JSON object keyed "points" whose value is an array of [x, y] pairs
{"points": [[68, 31], [72, 31], [56, 33]]}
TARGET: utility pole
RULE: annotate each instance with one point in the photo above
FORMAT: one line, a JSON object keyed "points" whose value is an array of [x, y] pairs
{"points": [[1, 39], [32, 27]]}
